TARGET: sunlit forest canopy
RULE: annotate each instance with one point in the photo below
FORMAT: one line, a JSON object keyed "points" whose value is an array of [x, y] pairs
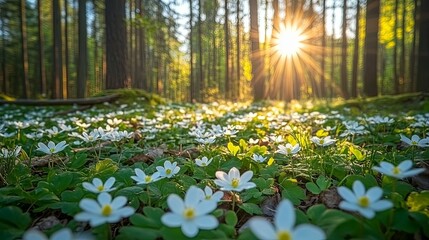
{"points": [[208, 50]]}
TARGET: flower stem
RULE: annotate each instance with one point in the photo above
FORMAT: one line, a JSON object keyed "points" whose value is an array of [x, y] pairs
{"points": [[233, 201]]}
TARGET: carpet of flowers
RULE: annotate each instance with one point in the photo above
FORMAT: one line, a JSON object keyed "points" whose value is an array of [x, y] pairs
{"points": [[213, 171]]}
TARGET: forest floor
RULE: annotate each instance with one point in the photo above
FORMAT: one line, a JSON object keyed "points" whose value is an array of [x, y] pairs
{"points": [[177, 171]]}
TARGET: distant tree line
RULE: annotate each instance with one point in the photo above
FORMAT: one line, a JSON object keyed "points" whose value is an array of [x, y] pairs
{"points": [[216, 49]]}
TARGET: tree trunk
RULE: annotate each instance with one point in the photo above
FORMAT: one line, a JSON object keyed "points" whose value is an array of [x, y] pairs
{"points": [[226, 29], [413, 54], [191, 53], [322, 64], [116, 45], [402, 57], [332, 82], [344, 78], [354, 92], [257, 67], [82, 70], [422, 83], [371, 47], [24, 52], [41, 49], [200, 55], [66, 51], [237, 93], [395, 50], [58, 62]]}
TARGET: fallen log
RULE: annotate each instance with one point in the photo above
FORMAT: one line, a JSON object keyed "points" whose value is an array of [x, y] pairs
{"points": [[59, 102]]}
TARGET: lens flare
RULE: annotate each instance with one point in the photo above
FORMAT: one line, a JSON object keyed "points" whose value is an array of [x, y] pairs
{"points": [[289, 42]]}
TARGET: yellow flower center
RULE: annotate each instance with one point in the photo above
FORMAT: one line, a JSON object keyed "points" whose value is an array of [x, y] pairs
{"points": [[321, 141], [148, 179], [396, 170], [413, 143], [208, 197], [289, 151], [235, 182], [168, 171], [52, 150], [203, 164], [106, 210], [284, 235], [100, 188], [189, 213], [363, 201]]}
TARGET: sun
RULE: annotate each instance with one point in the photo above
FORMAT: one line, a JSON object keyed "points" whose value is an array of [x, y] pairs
{"points": [[289, 42]]}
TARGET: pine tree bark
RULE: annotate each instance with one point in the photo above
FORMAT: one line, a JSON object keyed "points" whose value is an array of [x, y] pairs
{"points": [[41, 50], [258, 83], [24, 51], [116, 45], [422, 83], [370, 86], [344, 78], [354, 92], [82, 70], [57, 85]]}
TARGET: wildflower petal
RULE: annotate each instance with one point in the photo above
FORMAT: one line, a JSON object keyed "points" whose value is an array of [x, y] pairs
{"points": [[222, 176], [205, 207], [382, 205], [233, 173], [405, 165], [246, 176], [193, 196], [64, 233], [104, 198], [118, 202], [358, 188], [206, 222], [262, 228], [172, 220], [97, 182], [347, 194], [189, 228], [348, 206], [88, 186], [90, 205], [109, 183], [367, 212], [175, 203], [374, 194], [412, 172], [307, 231], [34, 234], [285, 216]]}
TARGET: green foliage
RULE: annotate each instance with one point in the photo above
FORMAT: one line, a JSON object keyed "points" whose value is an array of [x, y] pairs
{"points": [[13, 222]]}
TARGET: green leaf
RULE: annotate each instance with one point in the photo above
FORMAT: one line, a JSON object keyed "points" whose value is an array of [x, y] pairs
{"points": [[104, 167], [313, 188], [358, 154], [13, 222], [231, 218], [14, 217], [314, 212], [402, 222], [78, 160], [137, 233], [61, 182], [243, 144], [233, 149], [293, 192], [251, 208], [419, 202], [130, 191], [323, 182], [368, 180]]}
